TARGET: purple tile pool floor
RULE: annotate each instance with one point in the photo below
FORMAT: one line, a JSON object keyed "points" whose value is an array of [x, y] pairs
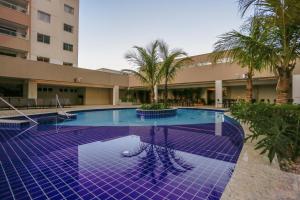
{"points": [[118, 162]]}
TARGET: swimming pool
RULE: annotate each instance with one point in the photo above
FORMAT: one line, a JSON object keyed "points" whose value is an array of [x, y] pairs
{"points": [[112, 154]]}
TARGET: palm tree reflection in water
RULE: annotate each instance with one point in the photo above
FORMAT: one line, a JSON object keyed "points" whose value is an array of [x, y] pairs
{"points": [[159, 160]]}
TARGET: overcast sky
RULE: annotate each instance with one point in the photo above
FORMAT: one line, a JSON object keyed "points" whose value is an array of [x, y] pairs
{"points": [[109, 28]]}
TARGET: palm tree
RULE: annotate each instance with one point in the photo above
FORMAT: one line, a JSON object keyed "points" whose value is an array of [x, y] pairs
{"points": [[172, 61], [147, 59], [241, 48], [280, 22]]}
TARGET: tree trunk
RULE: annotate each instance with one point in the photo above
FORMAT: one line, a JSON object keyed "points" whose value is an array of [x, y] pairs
{"points": [[249, 88], [283, 86], [152, 95], [166, 93]]}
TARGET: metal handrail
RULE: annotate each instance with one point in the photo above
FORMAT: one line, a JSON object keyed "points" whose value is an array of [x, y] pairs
{"points": [[13, 6], [58, 104], [18, 111]]}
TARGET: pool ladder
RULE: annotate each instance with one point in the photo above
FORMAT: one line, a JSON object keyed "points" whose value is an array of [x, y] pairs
{"points": [[58, 104], [18, 111]]}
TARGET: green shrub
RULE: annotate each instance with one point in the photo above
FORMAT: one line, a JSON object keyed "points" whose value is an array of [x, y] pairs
{"points": [[154, 106], [276, 128]]}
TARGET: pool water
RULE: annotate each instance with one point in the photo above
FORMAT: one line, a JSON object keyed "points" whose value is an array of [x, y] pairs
{"points": [[127, 117], [112, 154]]}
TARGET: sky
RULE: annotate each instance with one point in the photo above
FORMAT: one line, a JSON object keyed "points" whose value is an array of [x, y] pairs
{"points": [[110, 28]]}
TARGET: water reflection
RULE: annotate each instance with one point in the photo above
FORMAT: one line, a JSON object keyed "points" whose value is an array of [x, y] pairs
{"points": [[156, 161], [219, 119]]}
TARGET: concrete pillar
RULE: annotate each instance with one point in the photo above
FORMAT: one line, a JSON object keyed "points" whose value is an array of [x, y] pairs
{"points": [[219, 93], [155, 93], [31, 90], [116, 95], [296, 88]]}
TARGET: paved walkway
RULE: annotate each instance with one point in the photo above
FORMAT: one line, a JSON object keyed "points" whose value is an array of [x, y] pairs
{"points": [[11, 113], [255, 178]]}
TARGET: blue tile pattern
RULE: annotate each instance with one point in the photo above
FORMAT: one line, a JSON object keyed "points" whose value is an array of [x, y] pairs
{"points": [[118, 162], [148, 114]]}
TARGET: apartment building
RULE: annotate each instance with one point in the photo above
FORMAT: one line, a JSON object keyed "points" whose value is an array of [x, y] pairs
{"points": [[40, 30], [15, 20], [39, 53]]}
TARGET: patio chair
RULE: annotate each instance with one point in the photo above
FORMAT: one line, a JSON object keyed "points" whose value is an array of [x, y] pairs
{"points": [[4, 105], [15, 102], [23, 103], [40, 103], [66, 102], [32, 103]]}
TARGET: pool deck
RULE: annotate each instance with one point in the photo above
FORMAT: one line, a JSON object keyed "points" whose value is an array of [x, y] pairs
{"points": [[254, 177]]}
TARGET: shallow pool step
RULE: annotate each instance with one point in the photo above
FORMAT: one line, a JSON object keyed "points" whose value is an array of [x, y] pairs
{"points": [[13, 124]]}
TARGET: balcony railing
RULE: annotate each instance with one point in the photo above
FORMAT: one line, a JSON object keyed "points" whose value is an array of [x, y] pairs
{"points": [[5, 31], [13, 6]]}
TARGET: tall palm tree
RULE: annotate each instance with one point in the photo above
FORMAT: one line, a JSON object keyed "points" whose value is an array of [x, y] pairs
{"points": [[172, 62], [241, 47], [147, 59], [280, 21]]}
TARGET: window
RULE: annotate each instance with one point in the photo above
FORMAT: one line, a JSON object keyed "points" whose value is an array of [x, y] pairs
{"points": [[45, 17], [68, 47], [69, 9], [224, 60], [4, 53], [67, 64], [43, 59], [43, 38], [68, 28], [203, 63]]}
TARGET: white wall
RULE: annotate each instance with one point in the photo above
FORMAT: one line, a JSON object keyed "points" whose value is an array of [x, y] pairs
{"points": [[296, 88], [58, 36]]}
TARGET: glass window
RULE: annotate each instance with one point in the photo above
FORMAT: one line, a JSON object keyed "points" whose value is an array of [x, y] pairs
{"points": [[45, 17], [43, 59], [69, 9], [43, 38], [67, 64], [68, 47], [68, 28]]}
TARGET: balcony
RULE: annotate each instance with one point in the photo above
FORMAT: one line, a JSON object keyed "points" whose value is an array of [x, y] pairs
{"points": [[13, 33], [13, 39], [14, 6], [14, 13]]}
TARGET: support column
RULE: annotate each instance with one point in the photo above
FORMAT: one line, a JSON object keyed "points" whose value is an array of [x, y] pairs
{"points": [[296, 90], [155, 93], [116, 95], [31, 90], [219, 93]]}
